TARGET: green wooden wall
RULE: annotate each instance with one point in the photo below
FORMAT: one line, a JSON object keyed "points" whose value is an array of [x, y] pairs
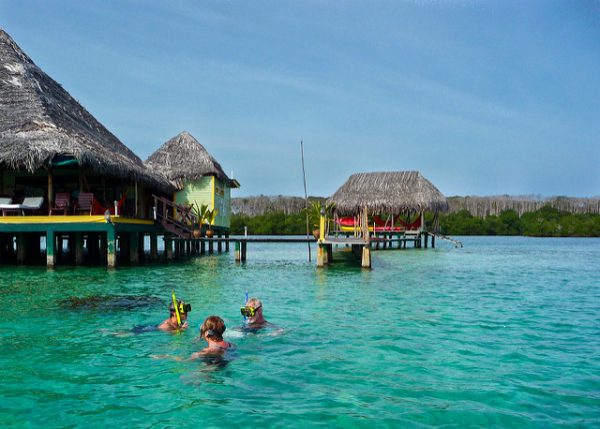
{"points": [[211, 191]]}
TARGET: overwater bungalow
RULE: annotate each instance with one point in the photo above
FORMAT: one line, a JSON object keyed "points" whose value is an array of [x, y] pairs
{"points": [[383, 207], [69, 189], [198, 178]]}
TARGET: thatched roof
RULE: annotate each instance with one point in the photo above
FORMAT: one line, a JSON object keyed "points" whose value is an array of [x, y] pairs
{"points": [[183, 159], [390, 192], [40, 122]]}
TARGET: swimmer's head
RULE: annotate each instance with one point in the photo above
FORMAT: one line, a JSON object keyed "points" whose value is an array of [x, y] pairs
{"points": [[252, 309], [212, 328], [183, 307]]}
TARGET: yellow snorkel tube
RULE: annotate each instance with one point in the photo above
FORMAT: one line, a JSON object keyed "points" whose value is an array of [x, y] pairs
{"points": [[176, 310]]}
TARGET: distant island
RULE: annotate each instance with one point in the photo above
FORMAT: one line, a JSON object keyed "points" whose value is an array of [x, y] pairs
{"points": [[471, 215]]}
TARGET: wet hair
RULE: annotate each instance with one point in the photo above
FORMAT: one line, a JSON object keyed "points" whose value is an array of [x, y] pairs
{"points": [[172, 307], [254, 303], [213, 328]]}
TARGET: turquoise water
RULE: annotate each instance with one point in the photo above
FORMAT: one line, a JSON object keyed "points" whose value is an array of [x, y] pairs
{"points": [[502, 333]]}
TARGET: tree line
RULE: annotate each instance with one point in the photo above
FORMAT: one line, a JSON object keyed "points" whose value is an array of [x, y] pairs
{"points": [[546, 221]]}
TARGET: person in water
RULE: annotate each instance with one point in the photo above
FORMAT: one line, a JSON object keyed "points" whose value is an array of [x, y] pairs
{"points": [[255, 320], [211, 331], [172, 323]]}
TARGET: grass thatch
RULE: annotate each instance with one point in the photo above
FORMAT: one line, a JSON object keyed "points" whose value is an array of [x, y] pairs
{"points": [[184, 159], [391, 192], [39, 121]]}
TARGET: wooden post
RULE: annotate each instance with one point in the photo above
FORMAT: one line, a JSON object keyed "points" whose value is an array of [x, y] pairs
{"points": [[104, 247], [219, 243], [50, 255], [366, 256], [153, 247], [134, 252], [168, 248], [321, 255], [244, 243], [329, 248], [21, 248], [433, 241], [78, 248], [227, 242], [202, 247], [111, 247], [50, 189], [238, 254], [136, 199], [71, 247], [93, 246], [211, 248]]}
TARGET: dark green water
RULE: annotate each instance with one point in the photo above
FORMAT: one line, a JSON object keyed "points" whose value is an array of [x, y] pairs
{"points": [[502, 333]]}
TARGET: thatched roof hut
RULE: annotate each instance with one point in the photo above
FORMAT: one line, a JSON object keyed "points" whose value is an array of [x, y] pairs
{"points": [[388, 192], [183, 159], [40, 123]]}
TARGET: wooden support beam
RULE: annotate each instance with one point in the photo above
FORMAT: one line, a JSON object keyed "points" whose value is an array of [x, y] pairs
{"points": [[50, 251], [111, 248], [202, 247], [134, 251], [153, 247], [219, 243], [78, 243], [93, 246], [211, 247], [329, 251], [227, 243], [238, 252], [169, 249], [21, 248], [321, 255], [366, 256], [433, 241], [244, 244]]}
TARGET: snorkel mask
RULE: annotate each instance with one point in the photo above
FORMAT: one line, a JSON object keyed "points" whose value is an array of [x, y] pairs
{"points": [[249, 311]]}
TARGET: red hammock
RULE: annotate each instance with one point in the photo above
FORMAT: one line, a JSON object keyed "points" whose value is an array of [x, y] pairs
{"points": [[98, 209]]}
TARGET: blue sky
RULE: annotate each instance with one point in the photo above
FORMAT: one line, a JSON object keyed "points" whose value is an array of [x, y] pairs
{"points": [[482, 97]]}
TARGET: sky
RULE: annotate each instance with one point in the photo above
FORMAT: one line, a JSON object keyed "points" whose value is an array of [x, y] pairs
{"points": [[481, 97]]}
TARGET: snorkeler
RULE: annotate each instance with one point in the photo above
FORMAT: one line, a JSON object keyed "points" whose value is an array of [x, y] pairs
{"points": [[211, 331], [177, 316], [255, 321]]}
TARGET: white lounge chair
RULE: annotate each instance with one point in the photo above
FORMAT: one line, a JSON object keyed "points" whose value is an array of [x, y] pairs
{"points": [[29, 203]]}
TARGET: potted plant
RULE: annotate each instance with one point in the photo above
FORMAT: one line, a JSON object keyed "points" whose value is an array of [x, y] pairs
{"points": [[200, 213], [210, 217]]}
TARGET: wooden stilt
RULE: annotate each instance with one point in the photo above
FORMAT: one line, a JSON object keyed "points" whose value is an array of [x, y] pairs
{"points": [[366, 256], [202, 247], [153, 247], [433, 241], [93, 246], [21, 248], [50, 254], [329, 251], [134, 251], [243, 246], [78, 243], [219, 244], [211, 247], [227, 243], [238, 252], [169, 249], [321, 255], [111, 248]]}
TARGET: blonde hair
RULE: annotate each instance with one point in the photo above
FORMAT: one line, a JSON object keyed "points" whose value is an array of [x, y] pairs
{"points": [[213, 327], [254, 303]]}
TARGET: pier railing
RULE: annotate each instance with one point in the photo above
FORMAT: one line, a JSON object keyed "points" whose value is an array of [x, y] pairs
{"points": [[175, 218]]}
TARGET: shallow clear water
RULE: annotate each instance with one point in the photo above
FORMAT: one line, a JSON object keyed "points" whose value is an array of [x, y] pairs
{"points": [[504, 332]]}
